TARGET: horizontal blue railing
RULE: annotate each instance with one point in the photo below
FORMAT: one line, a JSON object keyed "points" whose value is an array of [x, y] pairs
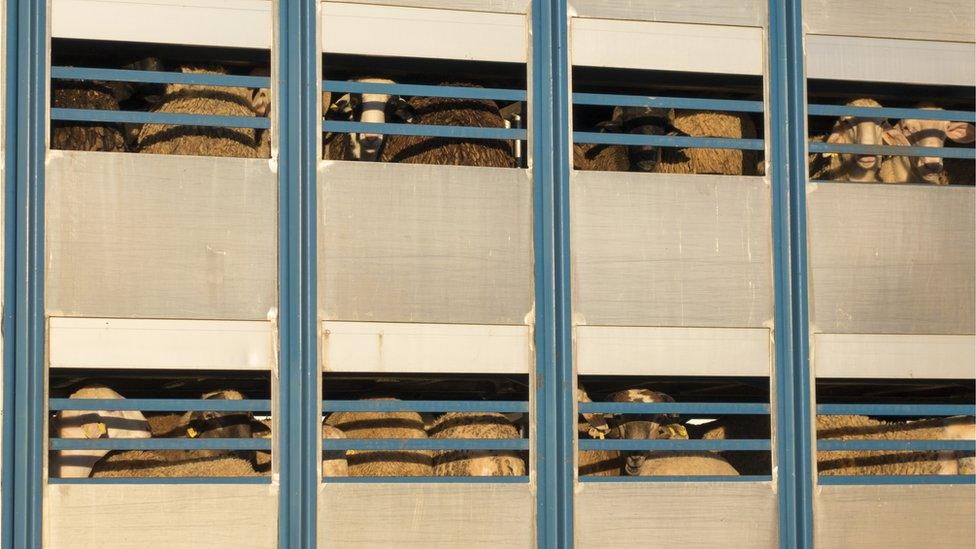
{"points": [[677, 444], [501, 406], [456, 92], [832, 445], [425, 444], [888, 150], [266, 479], [896, 409], [175, 119], [519, 479], [686, 408], [610, 100], [667, 141], [884, 480], [424, 130], [160, 77], [158, 405], [885, 112], [679, 478], [160, 444]]}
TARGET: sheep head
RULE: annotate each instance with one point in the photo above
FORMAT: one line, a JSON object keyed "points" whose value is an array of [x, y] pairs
{"points": [[863, 131], [371, 108], [643, 427], [931, 133], [642, 121], [210, 424]]}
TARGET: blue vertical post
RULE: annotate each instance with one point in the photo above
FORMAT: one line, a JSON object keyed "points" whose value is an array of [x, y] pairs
{"points": [[555, 427], [298, 387], [787, 139], [24, 261]]}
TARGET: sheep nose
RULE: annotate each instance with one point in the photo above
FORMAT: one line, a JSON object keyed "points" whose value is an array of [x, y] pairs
{"points": [[933, 165], [371, 141]]}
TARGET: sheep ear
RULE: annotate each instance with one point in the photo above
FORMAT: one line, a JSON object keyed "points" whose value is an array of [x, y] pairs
{"points": [[609, 126], [894, 136], [961, 132], [675, 132], [403, 110], [837, 136]]}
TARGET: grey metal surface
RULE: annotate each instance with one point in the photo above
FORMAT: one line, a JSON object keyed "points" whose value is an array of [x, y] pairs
{"points": [[716, 12], [671, 250], [940, 20], [498, 6], [413, 243], [152, 236], [892, 259]]}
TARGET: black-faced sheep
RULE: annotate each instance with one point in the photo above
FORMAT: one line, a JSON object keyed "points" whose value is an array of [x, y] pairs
{"points": [[622, 158], [371, 108], [926, 133], [710, 161], [478, 113], [375, 425], [476, 463], [201, 140]]}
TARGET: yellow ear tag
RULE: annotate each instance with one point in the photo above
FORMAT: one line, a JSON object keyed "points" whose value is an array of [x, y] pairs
{"points": [[102, 429], [597, 434], [830, 155], [95, 430], [191, 432]]}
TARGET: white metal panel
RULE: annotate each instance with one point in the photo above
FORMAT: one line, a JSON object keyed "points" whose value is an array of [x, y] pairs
{"points": [[891, 60], [666, 46], [892, 259], [232, 23], [160, 344], [939, 20], [716, 12], [612, 350], [676, 514], [895, 356], [671, 250], [424, 244], [500, 6], [442, 348], [124, 516], [160, 236], [425, 516], [420, 32], [895, 517]]}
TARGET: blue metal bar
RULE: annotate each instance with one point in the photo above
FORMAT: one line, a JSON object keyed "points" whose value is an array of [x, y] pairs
{"points": [[425, 444], [160, 77], [426, 480], [425, 130], [169, 118], [883, 112], [682, 478], [830, 445], [299, 419], [666, 102], [192, 481], [687, 408], [787, 138], [457, 92], [887, 150], [160, 443], [424, 406], [158, 405], [668, 141], [885, 480], [555, 431], [677, 444], [896, 409]]}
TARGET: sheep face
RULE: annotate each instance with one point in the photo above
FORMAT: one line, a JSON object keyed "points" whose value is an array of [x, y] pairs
{"points": [[643, 427], [932, 133], [642, 121], [863, 131], [371, 108]]}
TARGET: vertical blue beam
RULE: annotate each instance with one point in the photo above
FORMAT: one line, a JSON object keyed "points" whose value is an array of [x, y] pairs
{"points": [[555, 427], [24, 308], [787, 139], [297, 128]]}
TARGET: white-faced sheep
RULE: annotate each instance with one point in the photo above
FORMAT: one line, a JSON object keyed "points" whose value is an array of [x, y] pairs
{"points": [[478, 113], [201, 140], [852, 130], [371, 108], [926, 133], [375, 425], [476, 463], [92, 425], [710, 161]]}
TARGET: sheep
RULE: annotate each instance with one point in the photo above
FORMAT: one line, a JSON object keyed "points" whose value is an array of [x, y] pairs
{"points": [[710, 161], [92, 425], [848, 130], [686, 464], [621, 158], [642, 426], [479, 113], [383, 463], [201, 140], [334, 463], [85, 136], [924, 133], [373, 108], [488, 463]]}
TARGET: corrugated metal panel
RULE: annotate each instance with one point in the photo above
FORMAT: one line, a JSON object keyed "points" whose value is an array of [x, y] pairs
{"points": [[160, 236], [425, 516], [891, 60], [715, 12], [663, 250], [429, 244], [892, 259], [938, 20]]}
